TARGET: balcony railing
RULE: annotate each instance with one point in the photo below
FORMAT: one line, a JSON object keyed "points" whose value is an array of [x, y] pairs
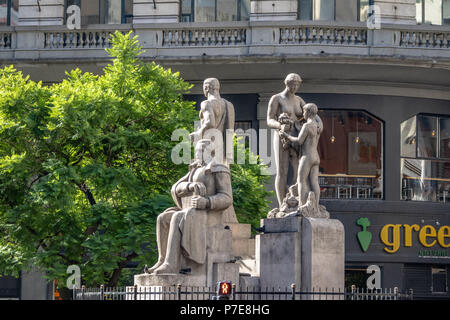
{"points": [[204, 37], [324, 35], [77, 39], [233, 38]]}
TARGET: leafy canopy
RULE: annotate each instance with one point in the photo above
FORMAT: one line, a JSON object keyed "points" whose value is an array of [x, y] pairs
{"points": [[85, 166]]}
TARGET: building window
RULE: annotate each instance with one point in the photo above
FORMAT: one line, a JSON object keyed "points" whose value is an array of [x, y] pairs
{"points": [[214, 10], [339, 10], [9, 12], [425, 158], [439, 278], [103, 11], [355, 172], [433, 11]]}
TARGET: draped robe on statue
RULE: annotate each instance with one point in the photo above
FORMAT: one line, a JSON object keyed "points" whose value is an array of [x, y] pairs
{"points": [[194, 223]]}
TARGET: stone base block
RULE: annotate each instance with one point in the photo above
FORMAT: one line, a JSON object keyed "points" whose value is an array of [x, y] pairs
{"points": [[323, 254], [168, 280], [279, 259], [226, 272]]}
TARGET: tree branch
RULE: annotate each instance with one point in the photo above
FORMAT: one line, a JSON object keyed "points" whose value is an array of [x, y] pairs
{"points": [[116, 273]]}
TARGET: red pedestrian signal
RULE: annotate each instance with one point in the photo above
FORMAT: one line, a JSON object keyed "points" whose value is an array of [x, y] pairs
{"points": [[224, 288]]}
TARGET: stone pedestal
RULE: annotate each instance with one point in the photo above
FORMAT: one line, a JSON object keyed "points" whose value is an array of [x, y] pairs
{"points": [[226, 243], [323, 254], [279, 252], [309, 252]]}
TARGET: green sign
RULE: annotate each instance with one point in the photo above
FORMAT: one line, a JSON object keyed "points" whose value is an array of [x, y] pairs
{"points": [[364, 236]]}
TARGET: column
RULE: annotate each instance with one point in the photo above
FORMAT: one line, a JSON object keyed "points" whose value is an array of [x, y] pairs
{"points": [[271, 10], [41, 12], [156, 11]]}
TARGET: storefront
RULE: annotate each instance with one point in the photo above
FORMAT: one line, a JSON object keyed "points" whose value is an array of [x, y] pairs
{"points": [[384, 159]]}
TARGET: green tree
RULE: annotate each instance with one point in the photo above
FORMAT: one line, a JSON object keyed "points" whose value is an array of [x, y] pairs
{"points": [[85, 166], [249, 191]]}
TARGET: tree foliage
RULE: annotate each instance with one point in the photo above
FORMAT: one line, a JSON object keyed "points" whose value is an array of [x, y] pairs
{"points": [[85, 166]]}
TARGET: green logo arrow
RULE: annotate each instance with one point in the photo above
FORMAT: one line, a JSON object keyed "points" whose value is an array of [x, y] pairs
{"points": [[364, 237]]}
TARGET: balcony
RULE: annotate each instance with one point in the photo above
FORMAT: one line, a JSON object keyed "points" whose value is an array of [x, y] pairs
{"points": [[236, 39]]}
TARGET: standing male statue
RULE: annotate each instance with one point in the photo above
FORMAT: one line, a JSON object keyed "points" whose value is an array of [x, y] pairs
{"points": [[284, 114], [204, 193], [216, 113], [217, 116]]}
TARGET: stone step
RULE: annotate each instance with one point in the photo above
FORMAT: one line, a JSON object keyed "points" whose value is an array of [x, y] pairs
{"points": [[240, 230], [243, 248]]}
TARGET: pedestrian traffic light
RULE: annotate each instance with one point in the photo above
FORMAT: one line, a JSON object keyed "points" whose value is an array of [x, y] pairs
{"points": [[224, 290]]}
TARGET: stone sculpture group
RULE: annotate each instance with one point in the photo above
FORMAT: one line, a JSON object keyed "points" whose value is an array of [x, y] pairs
{"points": [[298, 128], [195, 238]]}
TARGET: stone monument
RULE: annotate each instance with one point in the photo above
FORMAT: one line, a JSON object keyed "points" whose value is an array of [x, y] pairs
{"points": [[200, 239], [300, 243]]}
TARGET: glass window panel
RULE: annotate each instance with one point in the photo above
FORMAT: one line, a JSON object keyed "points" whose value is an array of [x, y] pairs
{"points": [[227, 10], [204, 10], [305, 9], [245, 10], [3, 12], [419, 11], [446, 12], [433, 11], [323, 10], [408, 138], [444, 127], [427, 137], [186, 11], [14, 13], [90, 12], [111, 11], [356, 172], [128, 14], [425, 180], [186, 6], [346, 10], [363, 10]]}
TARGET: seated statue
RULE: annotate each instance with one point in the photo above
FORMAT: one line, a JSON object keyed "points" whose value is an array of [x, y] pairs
{"points": [[203, 194]]}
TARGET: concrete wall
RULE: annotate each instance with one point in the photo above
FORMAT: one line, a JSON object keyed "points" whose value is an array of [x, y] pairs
{"points": [[41, 12], [158, 11], [269, 10], [397, 11], [51, 12]]}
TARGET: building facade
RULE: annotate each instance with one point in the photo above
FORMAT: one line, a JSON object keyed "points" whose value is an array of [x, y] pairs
{"points": [[379, 70]]}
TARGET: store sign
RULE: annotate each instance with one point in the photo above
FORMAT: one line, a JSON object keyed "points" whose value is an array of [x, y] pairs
{"points": [[364, 236], [428, 236], [394, 236]]}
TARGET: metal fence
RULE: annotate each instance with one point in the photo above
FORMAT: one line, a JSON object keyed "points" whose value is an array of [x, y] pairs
{"points": [[204, 293]]}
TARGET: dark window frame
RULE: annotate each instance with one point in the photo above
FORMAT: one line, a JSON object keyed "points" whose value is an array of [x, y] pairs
{"points": [[423, 14], [358, 9], [383, 143], [192, 14], [438, 137]]}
